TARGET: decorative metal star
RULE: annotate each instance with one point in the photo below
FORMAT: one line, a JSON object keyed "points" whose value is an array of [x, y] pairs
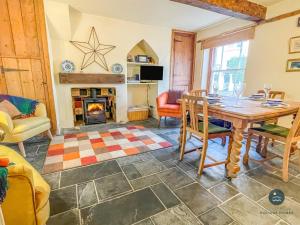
{"points": [[93, 50]]}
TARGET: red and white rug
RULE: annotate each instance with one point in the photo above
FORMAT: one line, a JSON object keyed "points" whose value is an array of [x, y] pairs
{"points": [[74, 150]]}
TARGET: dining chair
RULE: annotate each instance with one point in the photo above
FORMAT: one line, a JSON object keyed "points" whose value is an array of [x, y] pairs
{"points": [[218, 122], [201, 128], [263, 150], [199, 92], [279, 133]]}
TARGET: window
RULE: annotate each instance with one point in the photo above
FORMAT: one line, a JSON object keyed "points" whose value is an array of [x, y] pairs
{"points": [[228, 64]]}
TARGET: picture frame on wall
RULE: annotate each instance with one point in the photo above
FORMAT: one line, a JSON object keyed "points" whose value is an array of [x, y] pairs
{"points": [[294, 45], [293, 65]]}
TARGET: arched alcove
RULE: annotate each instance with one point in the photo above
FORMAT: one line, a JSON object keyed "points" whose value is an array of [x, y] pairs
{"points": [[143, 48], [141, 94]]}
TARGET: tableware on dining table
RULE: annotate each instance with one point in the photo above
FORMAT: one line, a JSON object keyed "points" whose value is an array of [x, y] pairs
{"points": [[267, 89], [238, 90], [213, 100], [257, 97], [277, 103], [215, 88], [213, 95], [274, 101]]}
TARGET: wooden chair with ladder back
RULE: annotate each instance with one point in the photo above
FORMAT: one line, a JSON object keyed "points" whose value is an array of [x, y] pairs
{"points": [[262, 150], [218, 122], [272, 131], [199, 92], [202, 129]]}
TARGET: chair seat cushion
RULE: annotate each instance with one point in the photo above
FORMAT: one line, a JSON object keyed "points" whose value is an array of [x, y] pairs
{"points": [[23, 125], [172, 107], [213, 129], [273, 129]]}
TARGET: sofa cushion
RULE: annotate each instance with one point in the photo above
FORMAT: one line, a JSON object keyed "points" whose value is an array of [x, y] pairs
{"points": [[173, 96], [23, 125], [10, 109]]}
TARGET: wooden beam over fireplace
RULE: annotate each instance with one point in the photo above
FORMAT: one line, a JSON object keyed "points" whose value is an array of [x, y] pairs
{"points": [[242, 9], [91, 78]]}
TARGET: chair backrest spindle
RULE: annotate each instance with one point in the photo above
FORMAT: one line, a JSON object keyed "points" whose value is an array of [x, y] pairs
{"points": [[191, 104], [199, 93]]}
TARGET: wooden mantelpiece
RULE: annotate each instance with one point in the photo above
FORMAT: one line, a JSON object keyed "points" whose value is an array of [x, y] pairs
{"points": [[91, 78]]}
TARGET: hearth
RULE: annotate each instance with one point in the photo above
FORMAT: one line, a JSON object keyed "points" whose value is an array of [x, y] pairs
{"points": [[94, 110]]}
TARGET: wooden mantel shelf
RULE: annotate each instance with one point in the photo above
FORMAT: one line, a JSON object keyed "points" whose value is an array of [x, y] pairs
{"points": [[91, 78]]}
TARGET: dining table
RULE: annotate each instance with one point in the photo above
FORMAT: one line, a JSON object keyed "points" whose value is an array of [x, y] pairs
{"points": [[241, 113]]}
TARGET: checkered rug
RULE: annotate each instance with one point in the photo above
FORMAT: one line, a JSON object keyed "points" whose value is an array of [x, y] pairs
{"points": [[74, 150]]}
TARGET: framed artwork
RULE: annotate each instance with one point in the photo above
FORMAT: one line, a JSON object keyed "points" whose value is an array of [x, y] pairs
{"points": [[293, 65], [294, 45]]}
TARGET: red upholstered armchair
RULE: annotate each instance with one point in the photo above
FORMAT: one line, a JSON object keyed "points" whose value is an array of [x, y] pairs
{"points": [[167, 105]]}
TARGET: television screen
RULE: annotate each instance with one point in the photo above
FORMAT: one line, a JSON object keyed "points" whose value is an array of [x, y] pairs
{"points": [[151, 73]]}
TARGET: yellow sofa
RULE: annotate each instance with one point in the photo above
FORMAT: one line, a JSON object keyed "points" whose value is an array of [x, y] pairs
{"points": [[27, 199], [19, 130]]}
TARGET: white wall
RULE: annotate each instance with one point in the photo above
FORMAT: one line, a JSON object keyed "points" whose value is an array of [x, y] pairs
{"points": [[268, 55], [67, 24], [268, 52]]}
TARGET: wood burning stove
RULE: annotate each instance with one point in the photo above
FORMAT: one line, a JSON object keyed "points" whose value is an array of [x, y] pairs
{"points": [[94, 110]]}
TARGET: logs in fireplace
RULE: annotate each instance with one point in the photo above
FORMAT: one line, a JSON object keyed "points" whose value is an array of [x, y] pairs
{"points": [[94, 110]]}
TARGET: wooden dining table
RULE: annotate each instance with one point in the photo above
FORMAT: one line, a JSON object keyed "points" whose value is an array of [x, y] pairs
{"points": [[240, 114]]}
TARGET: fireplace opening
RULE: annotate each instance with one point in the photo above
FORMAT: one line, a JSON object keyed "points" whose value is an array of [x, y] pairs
{"points": [[94, 110], [93, 105]]}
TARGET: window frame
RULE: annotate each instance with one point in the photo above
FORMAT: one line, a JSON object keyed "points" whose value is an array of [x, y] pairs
{"points": [[211, 63]]}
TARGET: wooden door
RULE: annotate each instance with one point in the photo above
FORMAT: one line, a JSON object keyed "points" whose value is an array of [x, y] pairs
{"points": [[24, 59], [182, 60]]}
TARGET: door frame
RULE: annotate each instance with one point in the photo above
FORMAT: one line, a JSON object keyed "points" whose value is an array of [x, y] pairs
{"points": [[184, 33], [43, 40]]}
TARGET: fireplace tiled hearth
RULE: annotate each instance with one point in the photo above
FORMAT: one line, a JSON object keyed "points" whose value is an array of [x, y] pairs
{"points": [[93, 105]]}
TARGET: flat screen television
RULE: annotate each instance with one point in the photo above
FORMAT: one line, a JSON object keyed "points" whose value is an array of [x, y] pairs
{"points": [[151, 73]]}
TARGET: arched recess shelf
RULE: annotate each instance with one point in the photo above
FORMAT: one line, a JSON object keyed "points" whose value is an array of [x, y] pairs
{"points": [[141, 96], [143, 48]]}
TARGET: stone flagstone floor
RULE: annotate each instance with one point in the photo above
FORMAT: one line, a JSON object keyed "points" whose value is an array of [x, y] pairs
{"points": [[154, 188]]}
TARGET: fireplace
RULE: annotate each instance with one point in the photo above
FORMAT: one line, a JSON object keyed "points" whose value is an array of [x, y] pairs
{"points": [[94, 110], [93, 105]]}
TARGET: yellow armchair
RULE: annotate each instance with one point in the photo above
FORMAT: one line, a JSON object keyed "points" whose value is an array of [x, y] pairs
{"points": [[19, 130], [27, 199]]}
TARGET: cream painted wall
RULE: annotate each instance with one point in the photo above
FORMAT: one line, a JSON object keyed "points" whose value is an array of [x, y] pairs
{"points": [[65, 24], [268, 52]]}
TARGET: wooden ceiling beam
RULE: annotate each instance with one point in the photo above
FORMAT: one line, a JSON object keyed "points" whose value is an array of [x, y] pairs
{"points": [[242, 9]]}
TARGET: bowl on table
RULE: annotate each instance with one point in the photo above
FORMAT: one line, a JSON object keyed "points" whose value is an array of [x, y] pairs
{"points": [[213, 100], [258, 96], [274, 102]]}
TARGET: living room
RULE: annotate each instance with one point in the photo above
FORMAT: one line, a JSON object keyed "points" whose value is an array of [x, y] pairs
{"points": [[149, 112]]}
